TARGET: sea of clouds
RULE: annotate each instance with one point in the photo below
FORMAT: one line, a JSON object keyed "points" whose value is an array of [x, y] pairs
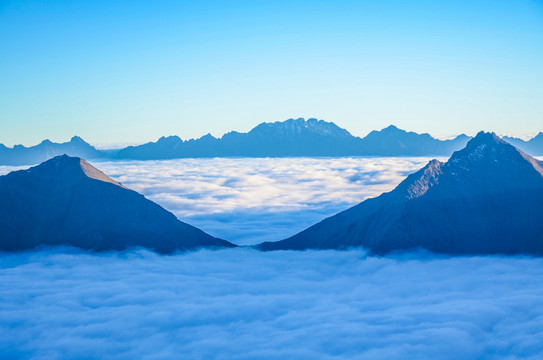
{"points": [[251, 200], [244, 304]]}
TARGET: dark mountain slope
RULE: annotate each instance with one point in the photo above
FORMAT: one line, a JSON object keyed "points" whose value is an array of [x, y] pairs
{"points": [[487, 199], [67, 201]]}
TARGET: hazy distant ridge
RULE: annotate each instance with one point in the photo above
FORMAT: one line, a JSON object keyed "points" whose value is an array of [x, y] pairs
{"points": [[21, 155], [292, 137], [534, 146], [297, 137]]}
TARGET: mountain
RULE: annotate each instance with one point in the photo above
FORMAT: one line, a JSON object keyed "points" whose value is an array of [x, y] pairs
{"points": [[165, 148], [293, 137], [486, 199], [172, 147], [66, 201], [297, 137], [392, 141], [20, 155], [533, 146]]}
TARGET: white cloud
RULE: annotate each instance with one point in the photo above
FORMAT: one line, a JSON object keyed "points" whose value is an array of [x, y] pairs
{"points": [[243, 304], [250, 200]]}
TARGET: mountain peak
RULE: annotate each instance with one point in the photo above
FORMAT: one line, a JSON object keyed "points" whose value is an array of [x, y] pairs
{"points": [[488, 138], [71, 168], [67, 201], [63, 161], [392, 128], [387, 131], [485, 146], [300, 126], [208, 136], [485, 200], [77, 139], [170, 139], [462, 137], [487, 154]]}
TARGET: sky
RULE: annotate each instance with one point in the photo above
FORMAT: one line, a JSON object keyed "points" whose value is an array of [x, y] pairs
{"points": [[132, 71]]}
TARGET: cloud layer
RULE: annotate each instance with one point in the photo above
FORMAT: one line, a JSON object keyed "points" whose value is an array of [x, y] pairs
{"points": [[250, 200], [242, 304]]}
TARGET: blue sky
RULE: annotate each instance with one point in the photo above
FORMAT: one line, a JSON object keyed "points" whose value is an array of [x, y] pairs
{"points": [[131, 71]]}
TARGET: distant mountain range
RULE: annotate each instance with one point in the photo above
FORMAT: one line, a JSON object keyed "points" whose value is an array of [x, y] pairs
{"points": [[292, 137], [20, 155], [534, 146], [297, 137], [486, 199], [66, 201]]}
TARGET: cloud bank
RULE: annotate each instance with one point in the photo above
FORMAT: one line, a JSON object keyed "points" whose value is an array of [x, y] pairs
{"points": [[242, 304], [250, 200]]}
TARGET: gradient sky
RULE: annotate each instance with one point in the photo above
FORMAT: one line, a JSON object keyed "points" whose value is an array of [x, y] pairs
{"points": [[132, 71]]}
